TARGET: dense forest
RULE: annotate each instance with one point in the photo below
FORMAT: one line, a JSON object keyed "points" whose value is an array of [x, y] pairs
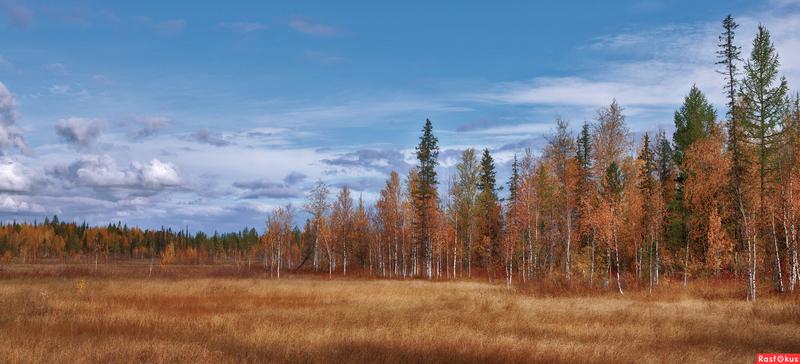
{"points": [[716, 199]]}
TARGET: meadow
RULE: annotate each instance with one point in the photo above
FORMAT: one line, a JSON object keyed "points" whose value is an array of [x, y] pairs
{"points": [[172, 318]]}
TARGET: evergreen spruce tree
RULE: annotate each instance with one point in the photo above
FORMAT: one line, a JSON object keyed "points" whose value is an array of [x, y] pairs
{"points": [[513, 181], [425, 193], [488, 212], [693, 121], [729, 55]]}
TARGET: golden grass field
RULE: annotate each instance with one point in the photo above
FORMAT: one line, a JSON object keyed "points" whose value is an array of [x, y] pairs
{"points": [[211, 320]]}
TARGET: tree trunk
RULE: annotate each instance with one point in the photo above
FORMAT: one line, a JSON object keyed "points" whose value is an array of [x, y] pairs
{"points": [[778, 273], [607, 281], [793, 250], [650, 265], [751, 249], [316, 249], [569, 241], [396, 262], [591, 270], [616, 248], [344, 258], [787, 239], [686, 266], [280, 256], [658, 255], [405, 264], [455, 247], [469, 252]]}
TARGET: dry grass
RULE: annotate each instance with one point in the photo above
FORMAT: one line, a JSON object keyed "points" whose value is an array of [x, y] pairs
{"points": [[113, 319]]}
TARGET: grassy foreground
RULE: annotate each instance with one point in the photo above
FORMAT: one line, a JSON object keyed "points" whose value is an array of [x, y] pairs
{"points": [[306, 320]]}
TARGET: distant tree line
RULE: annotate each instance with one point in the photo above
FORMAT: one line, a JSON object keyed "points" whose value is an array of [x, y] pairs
{"points": [[717, 198], [53, 239]]}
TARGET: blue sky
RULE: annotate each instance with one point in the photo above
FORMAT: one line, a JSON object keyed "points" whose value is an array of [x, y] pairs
{"points": [[210, 115]]}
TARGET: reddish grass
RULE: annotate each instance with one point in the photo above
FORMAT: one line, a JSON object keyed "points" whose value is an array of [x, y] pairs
{"points": [[62, 314]]}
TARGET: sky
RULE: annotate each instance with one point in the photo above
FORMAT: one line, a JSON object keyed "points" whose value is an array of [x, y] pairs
{"points": [[209, 115]]}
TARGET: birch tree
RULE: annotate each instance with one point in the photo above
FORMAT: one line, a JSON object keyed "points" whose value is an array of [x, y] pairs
{"points": [[317, 205], [466, 195]]}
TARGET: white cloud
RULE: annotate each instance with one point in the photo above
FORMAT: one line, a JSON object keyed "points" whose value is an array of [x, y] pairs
{"points": [[10, 134], [15, 204], [103, 171], [157, 174], [14, 177]]}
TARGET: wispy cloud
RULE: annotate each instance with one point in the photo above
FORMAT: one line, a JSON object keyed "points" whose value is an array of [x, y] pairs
{"points": [[360, 110], [101, 79], [511, 129], [17, 13], [5, 62], [170, 27], [76, 91], [785, 3], [294, 178], [206, 136], [323, 58], [664, 64], [382, 160], [267, 189], [78, 14], [143, 127], [579, 91], [163, 27], [243, 26], [308, 26], [56, 68]]}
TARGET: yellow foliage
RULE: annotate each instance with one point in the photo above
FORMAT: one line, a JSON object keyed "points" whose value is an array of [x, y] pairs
{"points": [[168, 255]]}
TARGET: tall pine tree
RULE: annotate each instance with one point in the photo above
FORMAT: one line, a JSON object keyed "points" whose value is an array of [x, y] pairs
{"points": [[425, 194], [489, 213]]}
